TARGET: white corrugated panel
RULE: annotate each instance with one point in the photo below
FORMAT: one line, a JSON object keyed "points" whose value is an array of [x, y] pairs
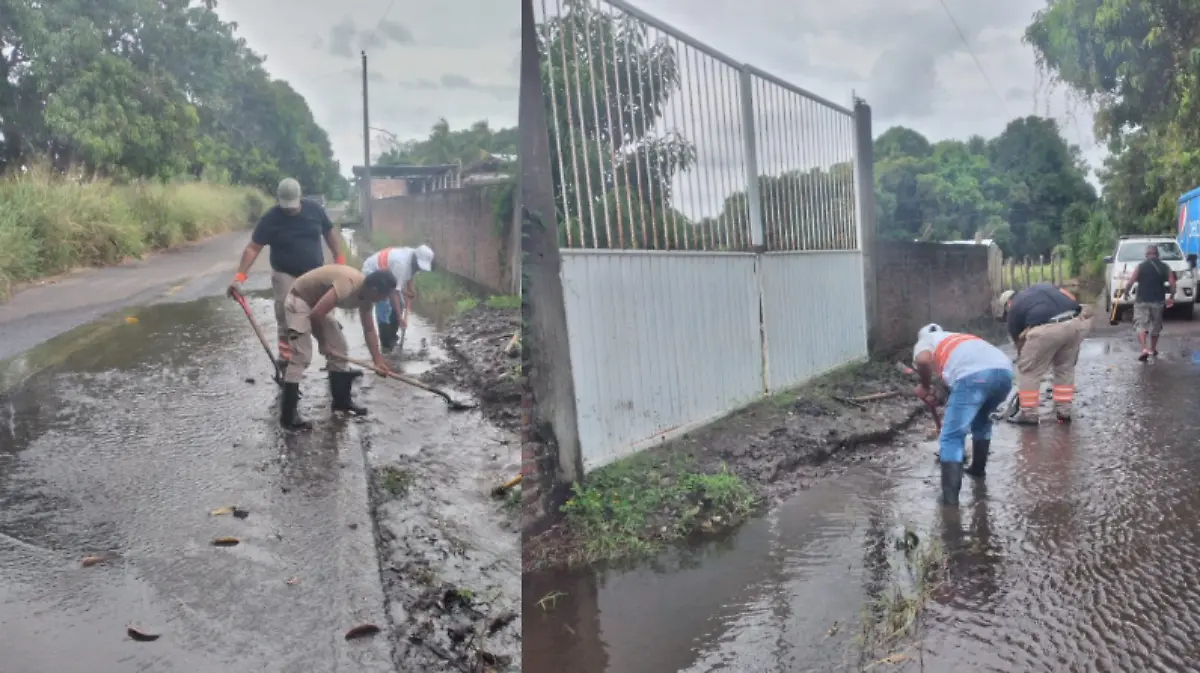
{"points": [[658, 340], [813, 313]]}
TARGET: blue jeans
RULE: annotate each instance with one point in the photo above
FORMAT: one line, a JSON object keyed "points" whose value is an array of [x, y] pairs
{"points": [[383, 310], [972, 400]]}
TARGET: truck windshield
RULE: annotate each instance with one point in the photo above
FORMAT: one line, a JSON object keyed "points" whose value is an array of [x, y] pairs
{"points": [[1168, 251]]}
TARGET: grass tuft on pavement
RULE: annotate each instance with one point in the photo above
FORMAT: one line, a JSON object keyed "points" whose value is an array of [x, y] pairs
{"points": [[632, 507]]}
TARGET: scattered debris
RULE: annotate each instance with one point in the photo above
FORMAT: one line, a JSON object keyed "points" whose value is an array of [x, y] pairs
{"points": [[250, 380], [294, 581], [232, 509], [89, 561], [141, 635], [362, 631], [130, 320], [500, 490], [226, 542]]}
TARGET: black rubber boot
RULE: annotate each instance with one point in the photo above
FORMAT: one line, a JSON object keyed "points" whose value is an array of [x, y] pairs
{"points": [[388, 335], [952, 474], [288, 416], [979, 456], [340, 391]]}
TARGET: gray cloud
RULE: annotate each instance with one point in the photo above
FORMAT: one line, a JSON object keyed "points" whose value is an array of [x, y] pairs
{"points": [[1017, 94], [904, 83], [345, 37]]}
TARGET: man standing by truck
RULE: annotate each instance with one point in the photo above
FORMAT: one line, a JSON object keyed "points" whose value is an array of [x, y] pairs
{"points": [[293, 229], [1155, 293], [1047, 325]]}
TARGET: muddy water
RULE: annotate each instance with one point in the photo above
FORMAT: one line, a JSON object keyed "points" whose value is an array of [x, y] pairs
{"points": [[1077, 554], [121, 436]]}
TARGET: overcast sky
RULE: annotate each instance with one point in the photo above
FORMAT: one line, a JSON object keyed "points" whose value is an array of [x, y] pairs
{"points": [[908, 60], [456, 59], [905, 58]]}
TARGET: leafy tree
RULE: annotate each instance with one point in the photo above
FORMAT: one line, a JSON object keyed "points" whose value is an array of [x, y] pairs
{"points": [[150, 89], [1015, 188], [444, 146], [612, 172]]}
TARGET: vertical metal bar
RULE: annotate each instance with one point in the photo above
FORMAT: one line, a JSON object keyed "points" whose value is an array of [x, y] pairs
{"points": [[826, 186], [598, 151], [711, 127], [749, 139], [554, 109], [645, 105], [703, 240], [611, 105], [367, 220], [580, 125], [565, 29], [762, 107], [636, 109], [789, 170], [734, 217], [615, 31], [666, 101]]}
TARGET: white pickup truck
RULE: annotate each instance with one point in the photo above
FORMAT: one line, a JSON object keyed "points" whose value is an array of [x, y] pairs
{"points": [[1131, 251]]}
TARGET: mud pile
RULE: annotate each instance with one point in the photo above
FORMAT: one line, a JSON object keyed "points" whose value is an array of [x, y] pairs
{"points": [[783, 443], [476, 342]]}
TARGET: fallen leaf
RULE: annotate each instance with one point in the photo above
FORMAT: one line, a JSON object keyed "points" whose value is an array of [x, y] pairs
{"points": [[220, 511], [130, 320], [89, 561], [226, 542], [141, 635], [362, 631]]}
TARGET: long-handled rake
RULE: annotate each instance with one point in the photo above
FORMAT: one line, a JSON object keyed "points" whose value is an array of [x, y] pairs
{"points": [[278, 375]]}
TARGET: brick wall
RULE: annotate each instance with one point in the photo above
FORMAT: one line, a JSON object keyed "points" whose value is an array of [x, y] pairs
{"points": [[383, 188], [920, 283], [460, 227]]}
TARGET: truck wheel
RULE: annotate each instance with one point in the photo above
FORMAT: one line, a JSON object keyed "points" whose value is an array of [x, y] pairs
{"points": [[1187, 311]]}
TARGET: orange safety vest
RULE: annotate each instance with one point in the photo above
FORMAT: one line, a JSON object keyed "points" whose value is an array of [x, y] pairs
{"points": [[383, 259], [941, 354]]}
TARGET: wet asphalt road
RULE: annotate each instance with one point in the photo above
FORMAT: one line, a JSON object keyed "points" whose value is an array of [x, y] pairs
{"points": [[122, 438], [1078, 553]]}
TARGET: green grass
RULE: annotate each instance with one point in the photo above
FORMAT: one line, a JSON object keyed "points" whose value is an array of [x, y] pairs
{"points": [[634, 506], [395, 481], [51, 225], [504, 302]]}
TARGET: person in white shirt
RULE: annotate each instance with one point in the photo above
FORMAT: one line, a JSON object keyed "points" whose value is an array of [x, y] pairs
{"points": [[979, 377], [404, 263]]}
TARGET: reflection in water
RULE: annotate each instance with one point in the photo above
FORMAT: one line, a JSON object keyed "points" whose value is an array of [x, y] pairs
{"points": [[1078, 553]]}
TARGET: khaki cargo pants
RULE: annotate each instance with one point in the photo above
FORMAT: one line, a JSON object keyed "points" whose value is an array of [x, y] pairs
{"points": [[281, 286], [1051, 348], [301, 329]]}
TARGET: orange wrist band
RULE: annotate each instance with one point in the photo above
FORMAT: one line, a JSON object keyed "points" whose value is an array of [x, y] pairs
{"points": [[239, 277], [341, 259]]}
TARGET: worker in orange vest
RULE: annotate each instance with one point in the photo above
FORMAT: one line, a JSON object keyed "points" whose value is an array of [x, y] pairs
{"points": [[980, 378], [1047, 325]]}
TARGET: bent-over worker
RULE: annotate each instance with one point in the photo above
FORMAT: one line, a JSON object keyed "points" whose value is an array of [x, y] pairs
{"points": [[1155, 293], [979, 377], [309, 313], [403, 263], [293, 230], [1047, 324]]}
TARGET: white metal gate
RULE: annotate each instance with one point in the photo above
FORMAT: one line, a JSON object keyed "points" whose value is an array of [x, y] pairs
{"points": [[708, 224]]}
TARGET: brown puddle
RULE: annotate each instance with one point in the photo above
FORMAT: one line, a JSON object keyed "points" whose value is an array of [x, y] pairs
{"points": [[1077, 554]]}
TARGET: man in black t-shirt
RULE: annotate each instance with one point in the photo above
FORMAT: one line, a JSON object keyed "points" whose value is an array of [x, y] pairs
{"points": [[1155, 293], [293, 230]]}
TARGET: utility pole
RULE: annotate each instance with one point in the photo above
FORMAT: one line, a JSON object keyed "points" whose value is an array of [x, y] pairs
{"points": [[366, 150]]}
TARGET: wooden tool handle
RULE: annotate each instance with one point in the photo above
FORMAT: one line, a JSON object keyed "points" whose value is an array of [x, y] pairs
{"points": [[399, 377]]}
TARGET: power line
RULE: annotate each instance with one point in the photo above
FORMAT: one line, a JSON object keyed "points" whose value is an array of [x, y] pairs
{"points": [[975, 58], [384, 16]]}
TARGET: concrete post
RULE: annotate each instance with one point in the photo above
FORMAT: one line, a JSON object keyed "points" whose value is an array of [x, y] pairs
{"points": [[546, 356], [868, 231]]}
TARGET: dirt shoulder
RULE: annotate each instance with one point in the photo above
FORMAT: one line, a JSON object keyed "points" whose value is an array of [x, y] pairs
{"points": [[712, 479], [449, 550], [479, 363]]}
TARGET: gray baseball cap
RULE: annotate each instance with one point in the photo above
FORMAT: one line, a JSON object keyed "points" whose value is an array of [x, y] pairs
{"points": [[288, 193]]}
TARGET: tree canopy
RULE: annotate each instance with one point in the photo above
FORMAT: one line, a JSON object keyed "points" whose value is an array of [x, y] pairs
{"points": [[443, 146], [1137, 62], [151, 89], [1016, 188]]}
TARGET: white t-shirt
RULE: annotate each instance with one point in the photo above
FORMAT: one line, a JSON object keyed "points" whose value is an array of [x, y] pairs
{"points": [[400, 263], [968, 357]]}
